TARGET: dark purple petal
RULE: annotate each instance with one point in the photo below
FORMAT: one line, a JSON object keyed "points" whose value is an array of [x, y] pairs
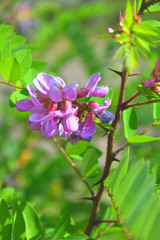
{"points": [[106, 116], [55, 94], [69, 93], [73, 139], [82, 92], [88, 130], [148, 84], [24, 105], [158, 61], [34, 125], [100, 91], [49, 129], [92, 82]]}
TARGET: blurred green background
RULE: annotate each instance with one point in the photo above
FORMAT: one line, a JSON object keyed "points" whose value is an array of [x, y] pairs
{"points": [[65, 35]]}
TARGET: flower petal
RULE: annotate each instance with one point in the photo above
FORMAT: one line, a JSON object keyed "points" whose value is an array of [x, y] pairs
{"points": [[100, 91], [82, 92], [88, 130], [92, 82], [49, 129], [55, 94], [158, 61], [106, 116], [34, 125], [24, 105], [148, 84], [39, 117], [43, 82], [69, 92]]}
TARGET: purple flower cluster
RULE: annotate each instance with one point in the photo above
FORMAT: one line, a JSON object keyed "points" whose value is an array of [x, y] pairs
{"points": [[154, 83], [54, 107]]}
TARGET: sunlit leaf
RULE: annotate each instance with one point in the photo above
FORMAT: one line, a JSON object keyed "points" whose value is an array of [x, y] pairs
{"points": [[142, 139], [10, 69], [5, 221], [130, 122]]}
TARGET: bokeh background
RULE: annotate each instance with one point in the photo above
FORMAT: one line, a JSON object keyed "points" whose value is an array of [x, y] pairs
{"points": [[64, 34]]}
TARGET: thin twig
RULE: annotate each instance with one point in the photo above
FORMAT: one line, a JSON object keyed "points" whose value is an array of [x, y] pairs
{"points": [[144, 5], [134, 96], [140, 133], [119, 216], [142, 103], [11, 84], [73, 166]]}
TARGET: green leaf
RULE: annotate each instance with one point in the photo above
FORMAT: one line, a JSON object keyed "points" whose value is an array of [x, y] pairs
{"points": [[130, 122], [153, 22], [10, 69], [153, 8], [17, 95], [32, 221], [17, 42], [8, 194], [77, 236], [18, 225], [157, 123], [5, 50], [105, 125], [121, 172], [148, 93], [25, 59], [146, 29], [31, 74], [38, 64], [62, 226], [139, 4], [76, 149], [90, 162], [156, 110], [5, 31], [5, 221], [110, 34], [142, 139], [129, 14], [135, 6]]}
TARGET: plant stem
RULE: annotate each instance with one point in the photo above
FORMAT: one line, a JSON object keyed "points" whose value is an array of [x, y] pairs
{"points": [[142, 103], [73, 166], [134, 96], [11, 84], [119, 216], [144, 5], [108, 162]]}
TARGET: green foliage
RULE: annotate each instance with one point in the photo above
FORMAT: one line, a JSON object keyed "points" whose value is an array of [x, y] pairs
{"points": [[148, 93], [134, 195], [22, 222], [142, 139], [130, 122]]}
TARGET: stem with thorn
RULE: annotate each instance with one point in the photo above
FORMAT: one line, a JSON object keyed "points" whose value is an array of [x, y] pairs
{"points": [[109, 157], [142, 103]]}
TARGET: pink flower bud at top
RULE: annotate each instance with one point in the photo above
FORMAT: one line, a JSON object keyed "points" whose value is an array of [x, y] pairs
{"points": [[110, 30]]}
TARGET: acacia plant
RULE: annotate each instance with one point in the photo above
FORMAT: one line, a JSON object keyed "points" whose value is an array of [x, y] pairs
{"points": [[58, 110]]}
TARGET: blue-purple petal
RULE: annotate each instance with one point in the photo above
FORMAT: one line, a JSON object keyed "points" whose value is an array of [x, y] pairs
{"points": [[106, 116]]}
